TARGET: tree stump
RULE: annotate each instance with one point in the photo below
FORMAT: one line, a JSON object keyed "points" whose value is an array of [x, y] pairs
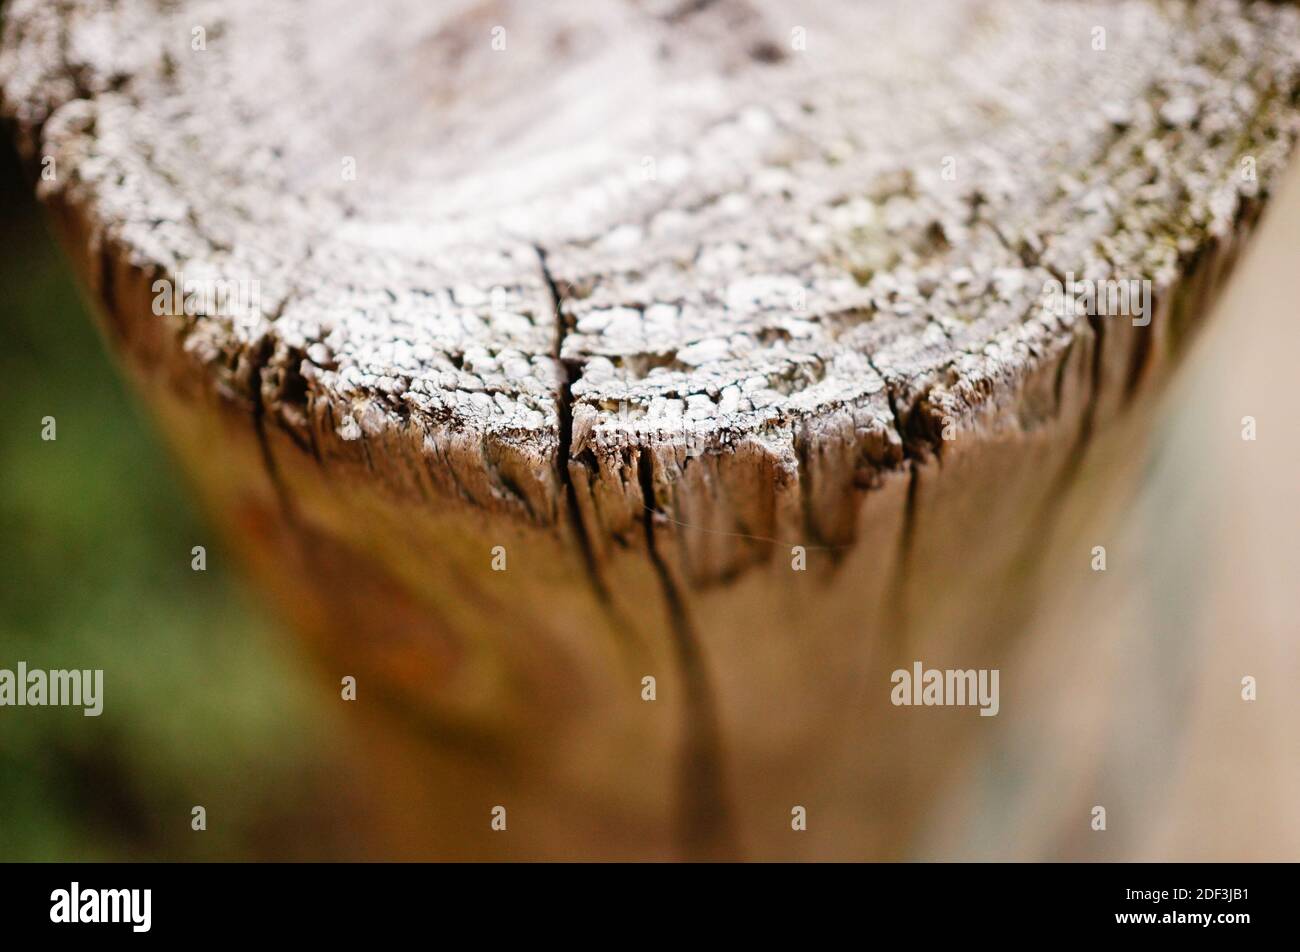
{"points": [[530, 352]]}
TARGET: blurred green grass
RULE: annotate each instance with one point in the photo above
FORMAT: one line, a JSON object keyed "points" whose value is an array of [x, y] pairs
{"points": [[203, 703]]}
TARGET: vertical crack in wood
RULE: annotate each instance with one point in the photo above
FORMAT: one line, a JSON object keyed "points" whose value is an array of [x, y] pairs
{"points": [[913, 456], [260, 356], [1058, 382], [441, 733], [1080, 448], [568, 372], [706, 827], [1074, 460], [117, 326], [812, 531], [1013, 606], [897, 631]]}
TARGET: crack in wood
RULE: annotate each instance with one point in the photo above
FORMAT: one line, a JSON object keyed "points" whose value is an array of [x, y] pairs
{"points": [[568, 372], [261, 357], [706, 825]]}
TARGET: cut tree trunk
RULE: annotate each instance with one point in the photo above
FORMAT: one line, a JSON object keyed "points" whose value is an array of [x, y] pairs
{"points": [[708, 342]]}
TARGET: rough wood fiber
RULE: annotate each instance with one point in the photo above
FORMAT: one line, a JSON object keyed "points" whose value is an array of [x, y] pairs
{"points": [[649, 296]]}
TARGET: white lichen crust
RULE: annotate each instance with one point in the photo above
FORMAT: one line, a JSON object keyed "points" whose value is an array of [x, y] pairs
{"points": [[788, 247]]}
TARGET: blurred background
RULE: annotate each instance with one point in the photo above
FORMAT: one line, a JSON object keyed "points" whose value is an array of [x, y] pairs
{"points": [[96, 529], [1134, 674], [213, 706]]}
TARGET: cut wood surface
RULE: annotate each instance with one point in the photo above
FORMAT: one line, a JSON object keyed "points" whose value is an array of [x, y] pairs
{"points": [[660, 299]]}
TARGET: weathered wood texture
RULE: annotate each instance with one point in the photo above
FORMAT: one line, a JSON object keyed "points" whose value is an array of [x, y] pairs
{"points": [[649, 294]]}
